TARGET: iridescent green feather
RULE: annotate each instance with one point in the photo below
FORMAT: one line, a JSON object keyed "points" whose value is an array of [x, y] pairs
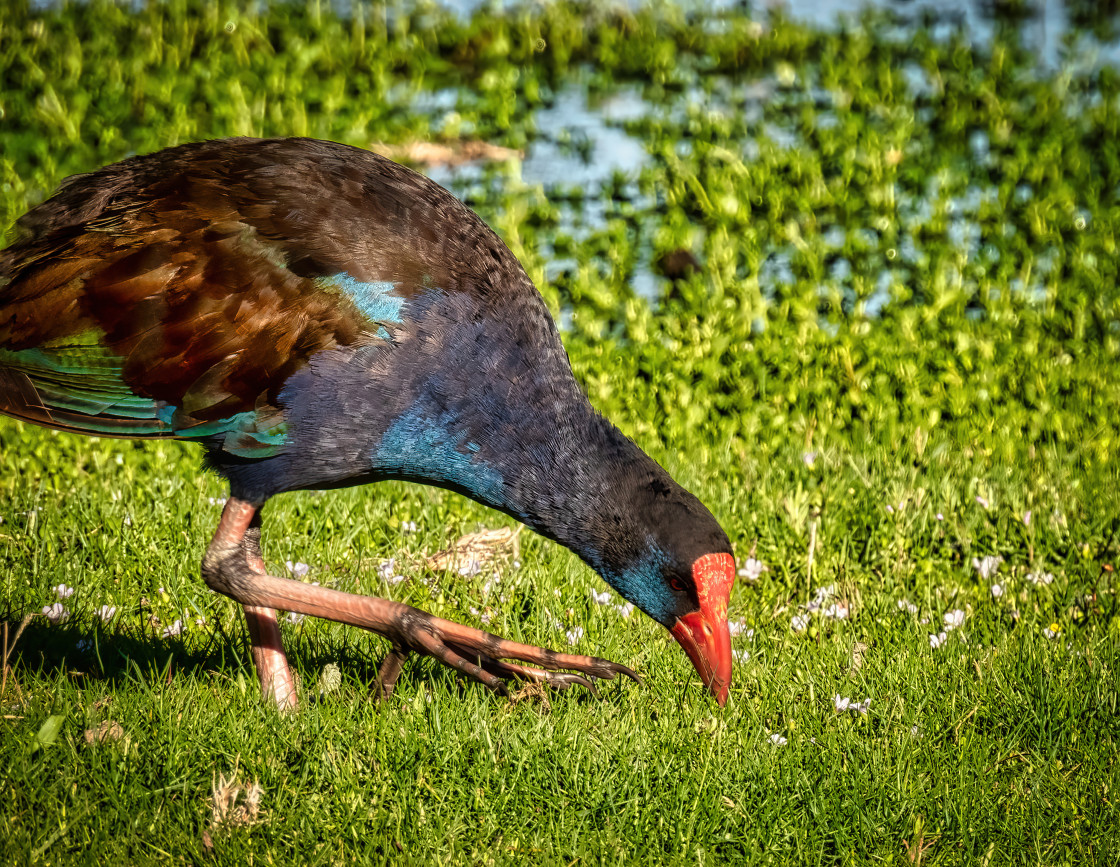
{"points": [[78, 375]]}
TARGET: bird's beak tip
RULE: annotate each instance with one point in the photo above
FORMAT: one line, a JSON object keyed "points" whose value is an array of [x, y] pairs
{"points": [[704, 634]]}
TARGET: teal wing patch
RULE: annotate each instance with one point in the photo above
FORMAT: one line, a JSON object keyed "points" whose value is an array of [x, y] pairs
{"points": [[77, 384]]}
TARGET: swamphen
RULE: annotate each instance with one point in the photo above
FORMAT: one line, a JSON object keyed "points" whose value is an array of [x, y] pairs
{"points": [[317, 316]]}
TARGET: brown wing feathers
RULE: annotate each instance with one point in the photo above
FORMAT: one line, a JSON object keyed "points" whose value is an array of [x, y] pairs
{"points": [[200, 308]]}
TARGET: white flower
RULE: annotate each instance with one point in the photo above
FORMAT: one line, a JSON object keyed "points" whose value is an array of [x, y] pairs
{"points": [[516, 564], [953, 619], [842, 704], [603, 598], [625, 610], [983, 502], [217, 501], [822, 595], [752, 569], [175, 628], [739, 627], [799, 622], [778, 740], [907, 605], [940, 517], [408, 527], [294, 617], [574, 635], [298, 570], [741, 655], [935, 641], [55, 613], [1040, 577], [107, 612], [837, 611], [986, 566], [62, 591], [386, 570], [997, 591], [1052, 631], [809, 458], [485, 618], [470, 567], [890, 509], [1027, 518]]}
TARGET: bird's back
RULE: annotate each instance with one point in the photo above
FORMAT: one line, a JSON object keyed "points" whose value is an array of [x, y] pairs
{"points": [[175, 294]]}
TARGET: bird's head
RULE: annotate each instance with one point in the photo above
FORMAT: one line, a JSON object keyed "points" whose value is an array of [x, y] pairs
{"points": [[677, 567]]}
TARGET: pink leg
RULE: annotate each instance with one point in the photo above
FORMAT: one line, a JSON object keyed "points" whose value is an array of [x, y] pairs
{"points": [[232, 566], [269, 658]]}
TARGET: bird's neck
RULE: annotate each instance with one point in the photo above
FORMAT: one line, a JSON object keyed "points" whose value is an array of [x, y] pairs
{"points": [[607, 501], [502, 420], [561, 468], [576, 486]]}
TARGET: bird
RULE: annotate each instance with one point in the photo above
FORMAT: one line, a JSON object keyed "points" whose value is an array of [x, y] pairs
{"points": [[316, 316]]}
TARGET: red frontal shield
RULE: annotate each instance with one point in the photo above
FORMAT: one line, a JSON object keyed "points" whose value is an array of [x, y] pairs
{"points": [[704, 633]]}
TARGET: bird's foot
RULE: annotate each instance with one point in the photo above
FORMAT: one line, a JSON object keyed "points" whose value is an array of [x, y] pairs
{"points": [[482, 656]]}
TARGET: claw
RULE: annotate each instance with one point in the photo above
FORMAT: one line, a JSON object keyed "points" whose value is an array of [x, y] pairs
{"points": [[562, 680], [390, 670], [617, 668]]}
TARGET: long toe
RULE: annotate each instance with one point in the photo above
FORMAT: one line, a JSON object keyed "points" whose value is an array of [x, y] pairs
{"points": [[556, 679]]}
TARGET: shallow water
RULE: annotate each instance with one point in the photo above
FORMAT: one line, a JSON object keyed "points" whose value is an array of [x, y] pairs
{"points": [[1044, 30], [582, 144]]}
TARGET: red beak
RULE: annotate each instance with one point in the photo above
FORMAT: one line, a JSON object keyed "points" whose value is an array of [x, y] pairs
{"points": [[704, 633]]}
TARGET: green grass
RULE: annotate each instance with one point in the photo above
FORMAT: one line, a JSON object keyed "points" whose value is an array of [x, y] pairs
{"points": [[874, 450], [1000, 744]]}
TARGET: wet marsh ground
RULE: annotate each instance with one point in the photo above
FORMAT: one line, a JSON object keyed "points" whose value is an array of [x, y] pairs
{"points": [[855, 285]]}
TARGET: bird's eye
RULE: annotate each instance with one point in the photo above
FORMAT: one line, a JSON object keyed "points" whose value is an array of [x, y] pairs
{"points": [[676, 585]]}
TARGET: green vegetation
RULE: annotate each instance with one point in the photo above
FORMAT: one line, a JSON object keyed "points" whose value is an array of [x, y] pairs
{"points": [[898, 357]]}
